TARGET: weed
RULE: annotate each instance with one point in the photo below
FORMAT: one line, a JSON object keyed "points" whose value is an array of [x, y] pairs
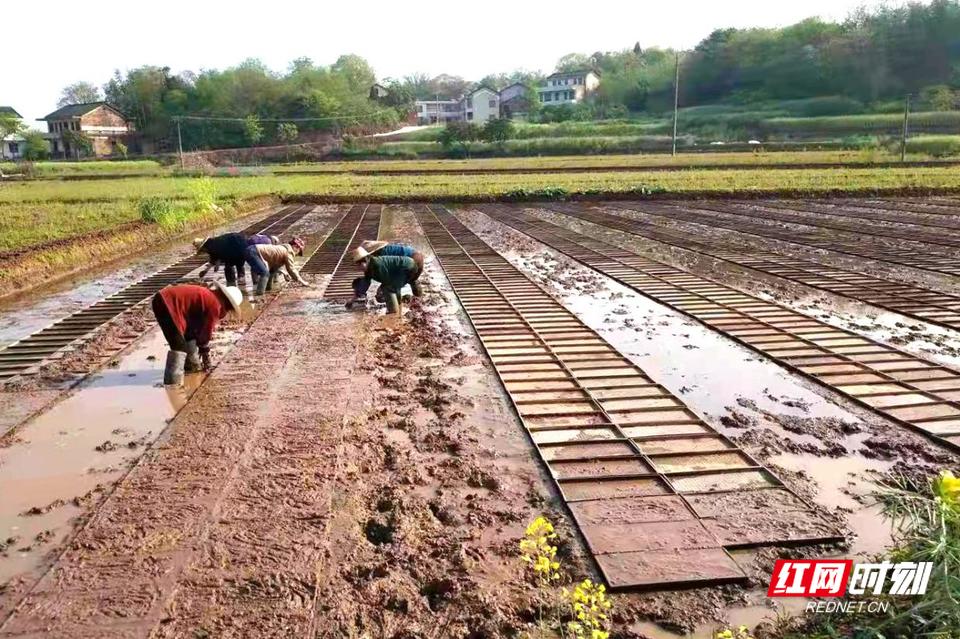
{"points": [[154, 209], [729, 633], [589, 604]]}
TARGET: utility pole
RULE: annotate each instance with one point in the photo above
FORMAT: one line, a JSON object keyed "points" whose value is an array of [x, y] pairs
{"points": [[903, 137], [676, 102], [179, 144]]}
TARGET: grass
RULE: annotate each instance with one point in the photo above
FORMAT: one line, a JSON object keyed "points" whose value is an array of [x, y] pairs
{"points": [[938, 146], [682, 160], [873, 124], [29, 224], [63, 169]]}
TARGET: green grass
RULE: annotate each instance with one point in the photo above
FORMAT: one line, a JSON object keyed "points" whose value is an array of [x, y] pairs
{"points": [[36, 223], [113, 167], [874, 124], [600, 161], [41, 211], [938, 146]]}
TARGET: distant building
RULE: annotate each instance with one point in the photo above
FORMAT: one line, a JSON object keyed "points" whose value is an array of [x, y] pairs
{"points": [[438, 111], [104, 124], [11, 146], [378, 92], [481, 105], [514, 101], [568, 88]]}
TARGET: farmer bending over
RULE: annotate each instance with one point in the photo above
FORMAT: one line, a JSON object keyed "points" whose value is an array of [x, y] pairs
{"points": [[392, 271], [277, 257], [384, 249], [229, 249], [188, 315]]}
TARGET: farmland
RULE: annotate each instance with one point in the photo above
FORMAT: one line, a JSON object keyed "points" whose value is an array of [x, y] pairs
{"points": [[653, 305]]}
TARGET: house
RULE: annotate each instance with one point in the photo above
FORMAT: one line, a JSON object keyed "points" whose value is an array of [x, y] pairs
{"points": [[481, 105], [438, 111], [568, 88], [11, 146], [378, 92], [103, 124], [514, 101]]}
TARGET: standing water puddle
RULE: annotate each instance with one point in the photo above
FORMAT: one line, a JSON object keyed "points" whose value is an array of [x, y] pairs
{"points": [[70, 455]]}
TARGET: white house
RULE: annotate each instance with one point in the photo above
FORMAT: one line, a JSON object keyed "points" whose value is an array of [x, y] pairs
{"points": [[481, 105], [438, 111], [568, 88], [11, 146]]}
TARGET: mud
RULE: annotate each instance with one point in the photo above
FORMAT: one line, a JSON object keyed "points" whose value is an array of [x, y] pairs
{"points": [[827, 450]]}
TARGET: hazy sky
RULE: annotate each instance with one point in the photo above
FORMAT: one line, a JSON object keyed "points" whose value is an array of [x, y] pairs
{"points": [[469, 39]]}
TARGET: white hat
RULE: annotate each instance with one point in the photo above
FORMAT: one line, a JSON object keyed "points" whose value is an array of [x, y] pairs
{"points": [[233, 295], [372, 246], [358, 254]]}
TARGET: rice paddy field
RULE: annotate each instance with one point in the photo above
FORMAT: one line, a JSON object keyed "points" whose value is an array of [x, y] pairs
{"points": [[40, 211]]}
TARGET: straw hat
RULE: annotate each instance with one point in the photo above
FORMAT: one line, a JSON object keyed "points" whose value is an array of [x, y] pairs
{"points": [[198, 242], [358, 254], [372, 246], [233, 295]]}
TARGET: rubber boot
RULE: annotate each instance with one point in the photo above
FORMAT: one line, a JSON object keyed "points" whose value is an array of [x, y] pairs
{"points": [[173, 371], [378, 297], [262, 284], [192, 363], [416, 289], [393, 303]]}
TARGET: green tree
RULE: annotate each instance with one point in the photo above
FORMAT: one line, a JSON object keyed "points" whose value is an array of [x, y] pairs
{"points": [[79, 142], [940, 98], [498, 130], [79, 93], [10, 125], [252, 129], [35, 146], [287, 133], [121, 149], [457, 136]]}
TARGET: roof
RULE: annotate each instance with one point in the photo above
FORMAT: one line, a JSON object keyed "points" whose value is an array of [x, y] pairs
{"points": [[6, 110], [482, 87], [78, 110], [575, 72], [515, 84]]}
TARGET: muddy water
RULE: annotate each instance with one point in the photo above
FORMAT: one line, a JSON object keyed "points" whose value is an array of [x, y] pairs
{"points": [[63, 461], [29, 313], [708, 372]]}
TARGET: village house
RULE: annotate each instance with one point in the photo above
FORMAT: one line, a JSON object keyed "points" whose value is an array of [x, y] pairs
{"points": [[11, 146], [104, 125], [481, 105], [438, 111], [568, 88], [514, 101]]}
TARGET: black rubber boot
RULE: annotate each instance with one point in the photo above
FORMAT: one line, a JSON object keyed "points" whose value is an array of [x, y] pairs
{"points": [[262, 284], [192, 363]]}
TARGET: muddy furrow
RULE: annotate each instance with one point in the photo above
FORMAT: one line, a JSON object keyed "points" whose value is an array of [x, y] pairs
{"points": [[924, 304], [31, 353], [864, 211], [340, 287], [913, 392], [651, 486], [704, 213]]}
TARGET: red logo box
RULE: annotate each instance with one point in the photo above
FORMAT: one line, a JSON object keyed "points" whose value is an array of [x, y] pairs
{"points": [[810, 578]]}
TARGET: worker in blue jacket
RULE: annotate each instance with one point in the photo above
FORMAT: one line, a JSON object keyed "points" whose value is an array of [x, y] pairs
{"points": [[384, 249]]}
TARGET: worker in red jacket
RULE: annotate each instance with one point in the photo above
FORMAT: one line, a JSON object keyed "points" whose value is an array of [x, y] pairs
{"points": [[188, 315]]}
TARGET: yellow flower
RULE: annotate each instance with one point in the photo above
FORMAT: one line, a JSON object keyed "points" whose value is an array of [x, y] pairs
{"points": [[947, 487]]}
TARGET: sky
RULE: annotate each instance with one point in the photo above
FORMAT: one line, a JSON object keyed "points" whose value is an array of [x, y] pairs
{"points": [[397, 38]]}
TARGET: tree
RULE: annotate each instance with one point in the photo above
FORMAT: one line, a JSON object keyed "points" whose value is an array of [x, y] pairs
{"points": [[10, 125], [80, 142], [79, 93], [287, 133], [35, 146], [121, 149], [459, 135], [574, 62], [252, 129], [498, 130]]}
